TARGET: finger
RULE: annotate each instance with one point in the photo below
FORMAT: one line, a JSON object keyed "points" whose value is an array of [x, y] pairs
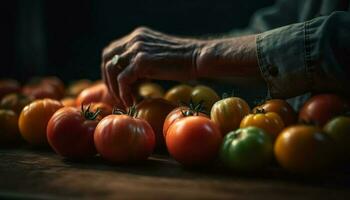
{"points": [[111, 76], [128, 77]]}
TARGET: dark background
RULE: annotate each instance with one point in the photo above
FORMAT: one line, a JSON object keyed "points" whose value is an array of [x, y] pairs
{"points": [[65, 38]]}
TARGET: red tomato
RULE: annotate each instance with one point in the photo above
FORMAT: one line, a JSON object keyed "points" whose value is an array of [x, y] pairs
{"points": [[122, 139], [55, 82], [70, 132], [42, 91], [193, 140], [321, 108], [282, 108], [8, 86], [154, 111], [94, 94], [179, 113]]}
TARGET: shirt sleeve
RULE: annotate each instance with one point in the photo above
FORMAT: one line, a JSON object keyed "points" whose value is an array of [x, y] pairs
{"points": [[281, 13], [313, 56]]}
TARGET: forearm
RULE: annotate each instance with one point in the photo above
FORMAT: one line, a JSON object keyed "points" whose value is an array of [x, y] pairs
{"points": [[228, 57]]}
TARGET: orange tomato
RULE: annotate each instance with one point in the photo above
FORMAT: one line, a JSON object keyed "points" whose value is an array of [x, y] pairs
{"points": [[304, 149], [34, 118], [228, 113], [104, 108], [94, 94], [68, 102], [270, 122], [282, 108], [76, 87]]}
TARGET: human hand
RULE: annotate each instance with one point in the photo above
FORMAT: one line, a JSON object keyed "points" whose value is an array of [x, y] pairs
{"points": [[144, 54]]}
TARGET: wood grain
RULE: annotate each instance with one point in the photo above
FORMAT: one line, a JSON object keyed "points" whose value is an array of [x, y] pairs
{"points": [[27, 173]]}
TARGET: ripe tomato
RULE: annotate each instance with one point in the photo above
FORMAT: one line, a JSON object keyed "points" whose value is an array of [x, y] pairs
{"points": [[55, 82], [15, 102], [154, 111], [122, 139], [8, 86], [228, 113], [321, 108], [247, 149], [96, 93], [179, 113], [269, 122], [206, 95], [9, 132], [282, 108], [304, 149], [150, 90], [193, 140], [70, 132], [339, 130], [33, 120], [68, 102], [104, 109], [179, 94], [42, 91], [76, 87]]}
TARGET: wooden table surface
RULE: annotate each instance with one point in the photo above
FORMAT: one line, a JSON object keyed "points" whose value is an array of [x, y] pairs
{"points": [[27, 173]]}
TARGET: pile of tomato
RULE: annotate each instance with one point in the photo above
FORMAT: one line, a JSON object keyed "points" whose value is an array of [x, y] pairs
{"points": [[191, 123]]}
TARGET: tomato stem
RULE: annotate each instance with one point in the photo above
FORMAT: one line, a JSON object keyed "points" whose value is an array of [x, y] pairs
{"points": [[88, 114], [132, 111]]}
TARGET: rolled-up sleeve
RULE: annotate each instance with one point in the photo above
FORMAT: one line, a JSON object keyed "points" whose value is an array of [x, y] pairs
{"points": [[313, 56]]}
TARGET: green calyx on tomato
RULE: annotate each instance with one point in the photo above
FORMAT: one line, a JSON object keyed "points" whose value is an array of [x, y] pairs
{"points": [[88, 114], [247, 149], [131, 111], [193, 108]]}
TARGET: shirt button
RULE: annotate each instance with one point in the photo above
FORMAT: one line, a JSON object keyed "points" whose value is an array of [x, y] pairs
{"points": [[273, 70]]}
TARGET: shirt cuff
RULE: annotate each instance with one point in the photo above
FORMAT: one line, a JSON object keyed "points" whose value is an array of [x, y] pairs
{"points": [[281, 57]]}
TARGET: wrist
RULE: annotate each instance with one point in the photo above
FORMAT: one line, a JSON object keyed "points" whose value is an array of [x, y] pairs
{"points": [[227, 57]]}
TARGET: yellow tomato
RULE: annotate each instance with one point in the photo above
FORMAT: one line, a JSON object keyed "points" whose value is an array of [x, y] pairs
{"points": [[271, 122], [34, 118], [228, 113], [206, 95], [179, 94], [151, 90]]}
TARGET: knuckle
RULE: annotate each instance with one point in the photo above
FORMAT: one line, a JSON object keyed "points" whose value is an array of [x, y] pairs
{"points": [[141, 29], [140, 57], [137, 46], [121, 79]]}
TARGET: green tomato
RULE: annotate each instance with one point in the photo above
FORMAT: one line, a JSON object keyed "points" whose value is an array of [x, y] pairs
{"points": [[247, 149], [339, 130]]}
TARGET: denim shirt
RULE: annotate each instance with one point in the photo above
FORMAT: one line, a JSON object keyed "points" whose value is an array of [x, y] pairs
{"points": [[303, 47]]}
